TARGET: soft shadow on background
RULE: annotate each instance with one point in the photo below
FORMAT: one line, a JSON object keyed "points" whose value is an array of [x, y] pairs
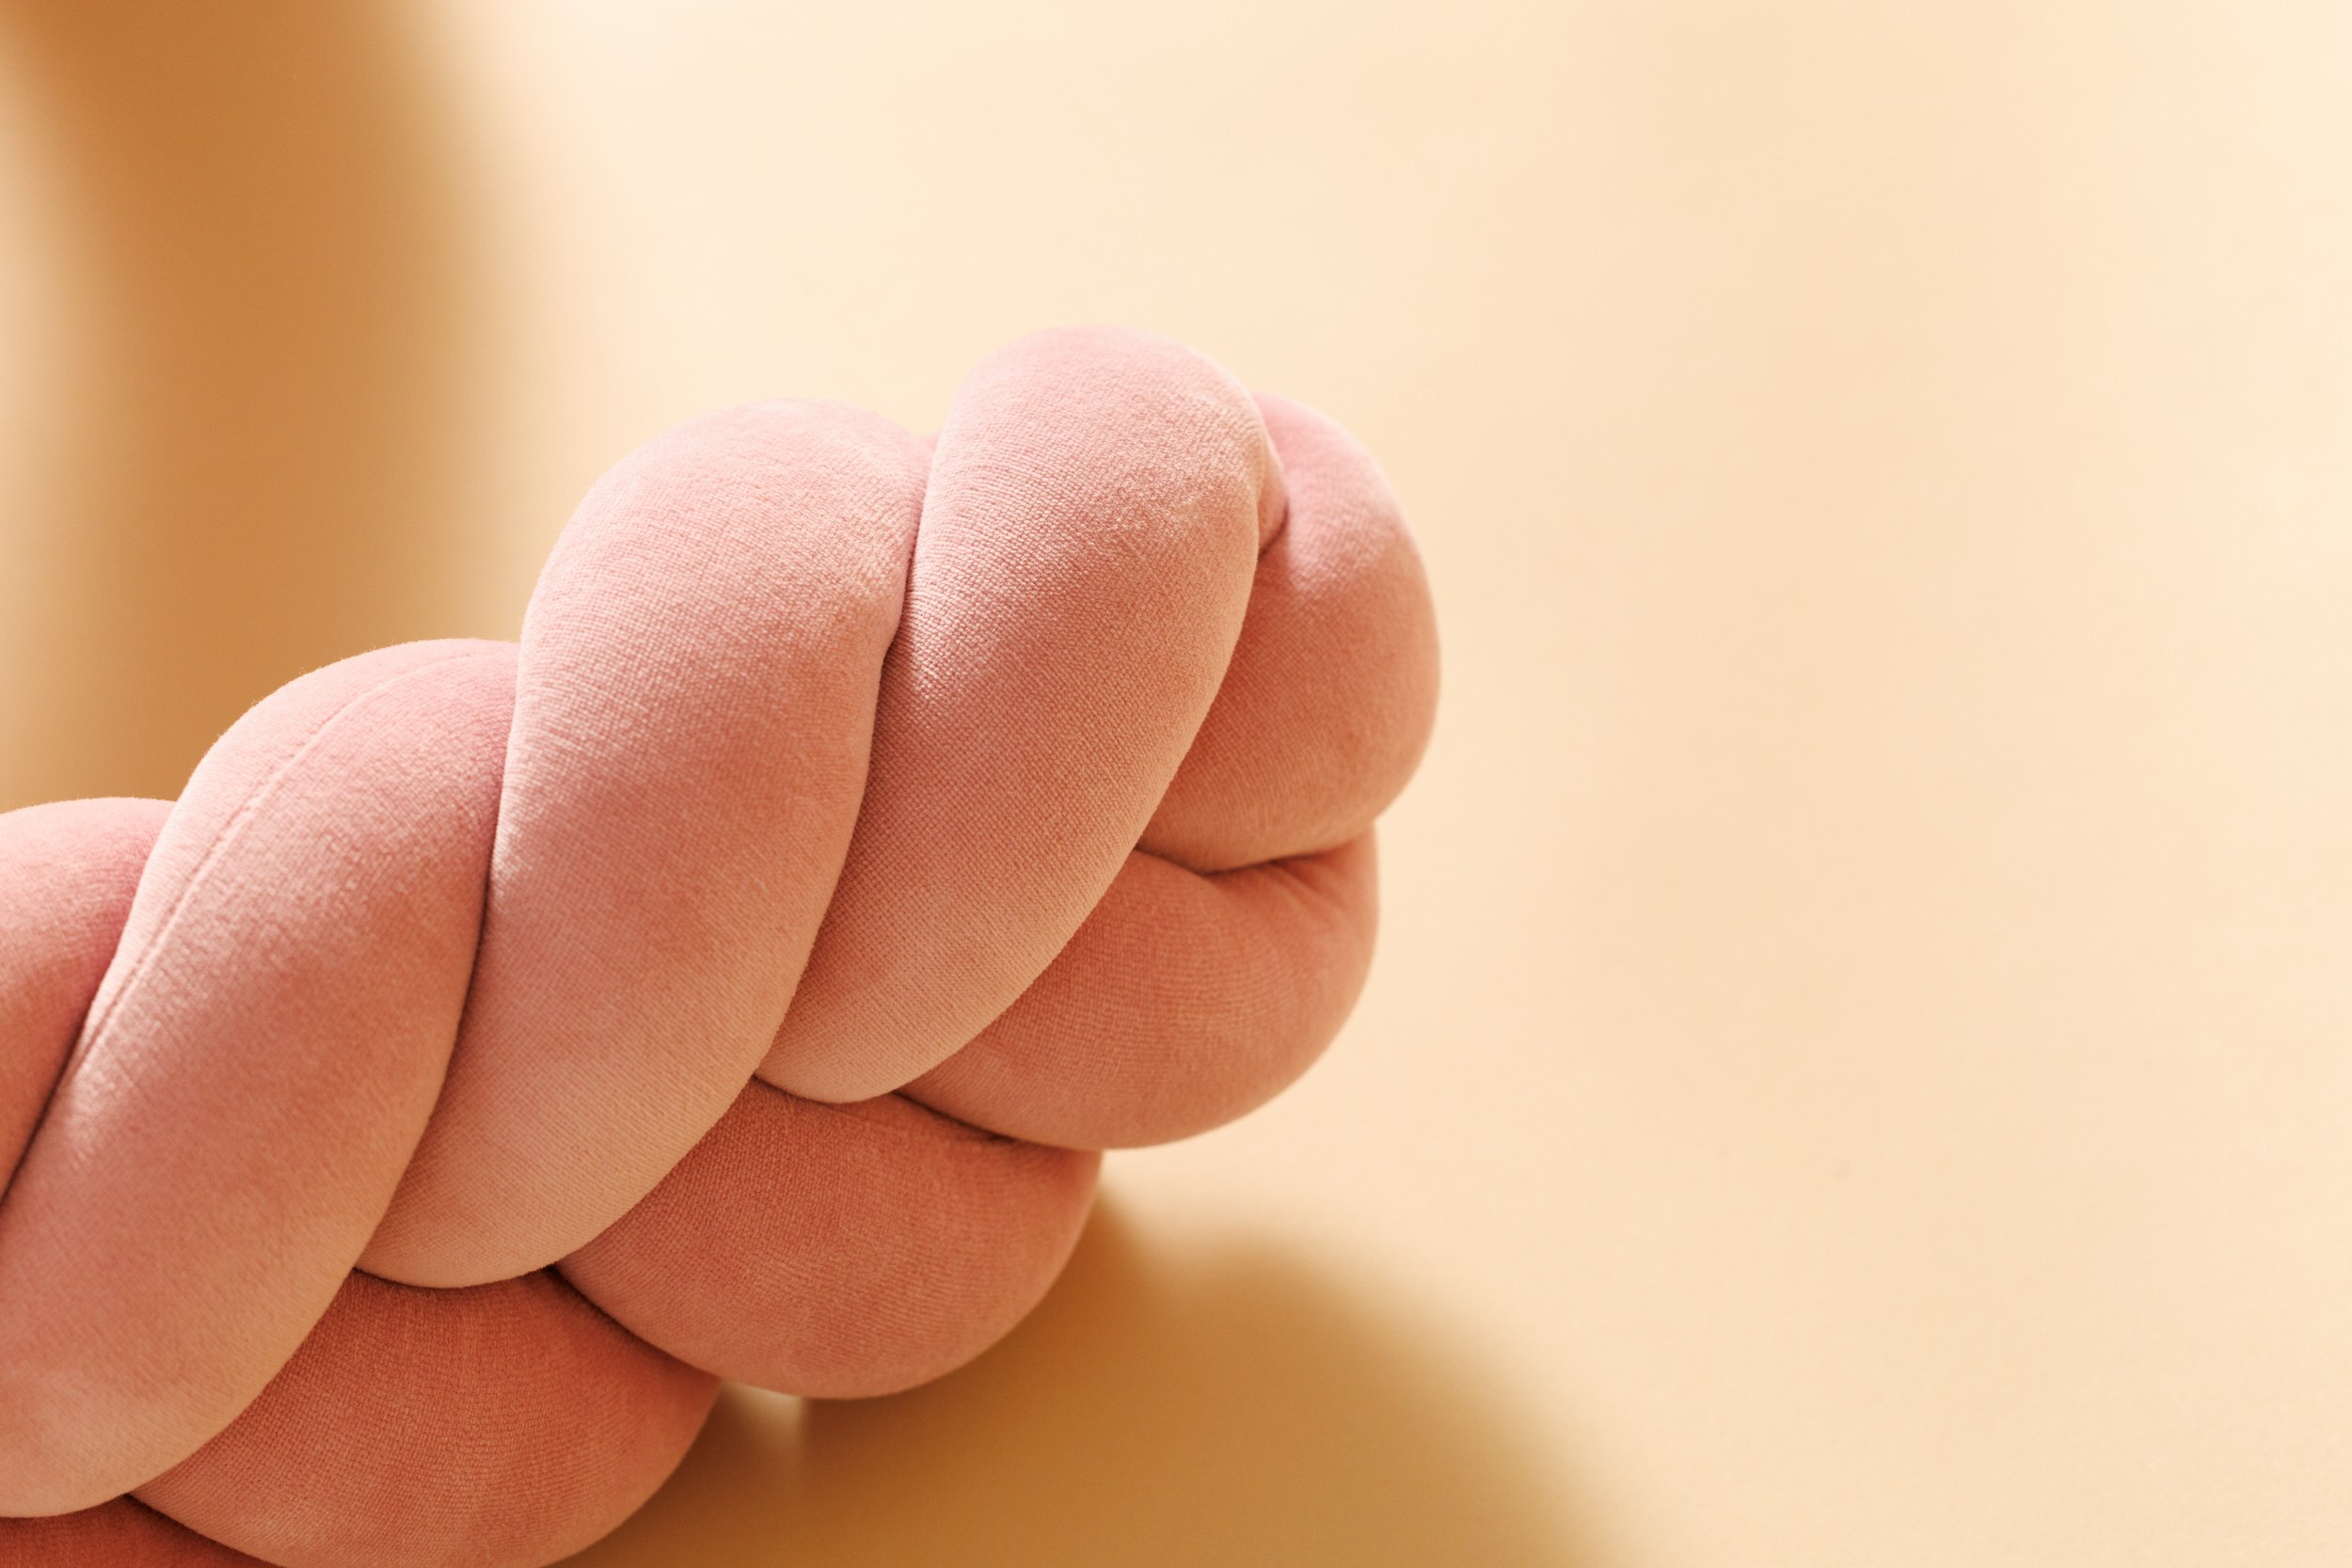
{"points": [[259, 409], [1168, 1406]]}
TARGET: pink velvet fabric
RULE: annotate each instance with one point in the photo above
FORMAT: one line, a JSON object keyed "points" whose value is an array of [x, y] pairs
{"points": [[496, 1045]]}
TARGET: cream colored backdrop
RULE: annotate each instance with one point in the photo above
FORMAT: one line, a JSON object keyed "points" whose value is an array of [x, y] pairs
{"points": [[1858, 1068]]}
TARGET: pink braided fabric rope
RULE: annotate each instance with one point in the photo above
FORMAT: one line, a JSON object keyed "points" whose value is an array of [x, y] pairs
{"points": [[496, 1045]]}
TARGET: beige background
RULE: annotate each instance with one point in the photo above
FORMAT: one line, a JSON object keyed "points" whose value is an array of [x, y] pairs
{"points": [[1857, 1070]]}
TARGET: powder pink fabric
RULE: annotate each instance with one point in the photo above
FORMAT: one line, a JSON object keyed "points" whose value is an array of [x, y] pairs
{"points": [[495, 1045]]}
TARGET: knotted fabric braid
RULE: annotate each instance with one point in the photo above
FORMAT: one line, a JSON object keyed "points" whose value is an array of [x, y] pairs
{"points": [[496, 1045]]}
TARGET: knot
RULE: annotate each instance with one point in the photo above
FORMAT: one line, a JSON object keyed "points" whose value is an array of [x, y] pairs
{"points": [[497, 1044]]}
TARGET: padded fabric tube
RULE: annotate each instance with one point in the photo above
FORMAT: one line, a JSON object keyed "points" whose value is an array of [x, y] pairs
{"points": [[1095, 507], [425, 1427], [71, 870], [1182, 1002], [839, 1250], [269, 1039], [124, 1533], [1324, 712], [696, 698]]}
